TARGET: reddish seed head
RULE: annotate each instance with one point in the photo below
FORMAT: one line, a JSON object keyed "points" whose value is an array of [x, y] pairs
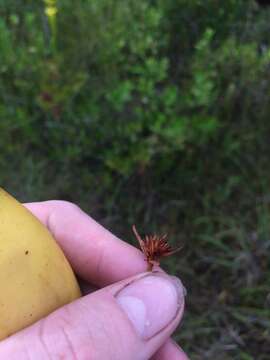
{"points": [[154, 248]]}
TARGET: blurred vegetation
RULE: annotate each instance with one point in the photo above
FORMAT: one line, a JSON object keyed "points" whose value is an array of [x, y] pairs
{"points": [[153, 112]]}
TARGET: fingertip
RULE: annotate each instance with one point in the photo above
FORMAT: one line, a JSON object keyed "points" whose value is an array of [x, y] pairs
{"points": [[170, 350], [97, 325]]}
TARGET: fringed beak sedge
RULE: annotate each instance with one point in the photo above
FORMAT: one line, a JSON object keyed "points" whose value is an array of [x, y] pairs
{"points": [[154, 248]]}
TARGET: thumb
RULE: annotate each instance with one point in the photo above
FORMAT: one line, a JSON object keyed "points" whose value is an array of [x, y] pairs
{"points": [[127, 320]]}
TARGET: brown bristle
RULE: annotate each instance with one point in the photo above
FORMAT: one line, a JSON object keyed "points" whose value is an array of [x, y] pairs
{"points": [[154, 247]]}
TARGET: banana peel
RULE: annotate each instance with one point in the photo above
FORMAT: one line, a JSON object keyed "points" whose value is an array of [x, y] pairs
{"points": [[35, 276]]}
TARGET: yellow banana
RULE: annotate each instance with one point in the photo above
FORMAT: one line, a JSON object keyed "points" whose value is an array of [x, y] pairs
{"points": [[35, 276]]}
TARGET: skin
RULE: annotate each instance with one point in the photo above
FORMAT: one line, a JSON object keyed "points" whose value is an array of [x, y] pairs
{"points": [[85, 329]]}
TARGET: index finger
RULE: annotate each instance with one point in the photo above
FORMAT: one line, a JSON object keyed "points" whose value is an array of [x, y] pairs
{"points": [[95, 254]]}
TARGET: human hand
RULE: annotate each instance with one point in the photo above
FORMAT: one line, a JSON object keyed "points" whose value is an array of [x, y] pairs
{"points": [[130, 318]]}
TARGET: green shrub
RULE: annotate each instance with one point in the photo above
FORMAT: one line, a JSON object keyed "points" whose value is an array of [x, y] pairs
{"points": [[105, 84], [154, 111]]}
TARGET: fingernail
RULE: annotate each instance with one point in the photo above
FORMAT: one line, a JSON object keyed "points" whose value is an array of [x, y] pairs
{"points": [[151, 302]]}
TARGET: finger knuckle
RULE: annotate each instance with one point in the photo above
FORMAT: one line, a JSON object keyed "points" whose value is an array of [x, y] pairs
{"points": [[66, 205], [56, 340]]}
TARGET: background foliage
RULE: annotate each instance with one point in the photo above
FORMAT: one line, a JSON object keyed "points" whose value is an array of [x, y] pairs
{"points": [[153, 112]]}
